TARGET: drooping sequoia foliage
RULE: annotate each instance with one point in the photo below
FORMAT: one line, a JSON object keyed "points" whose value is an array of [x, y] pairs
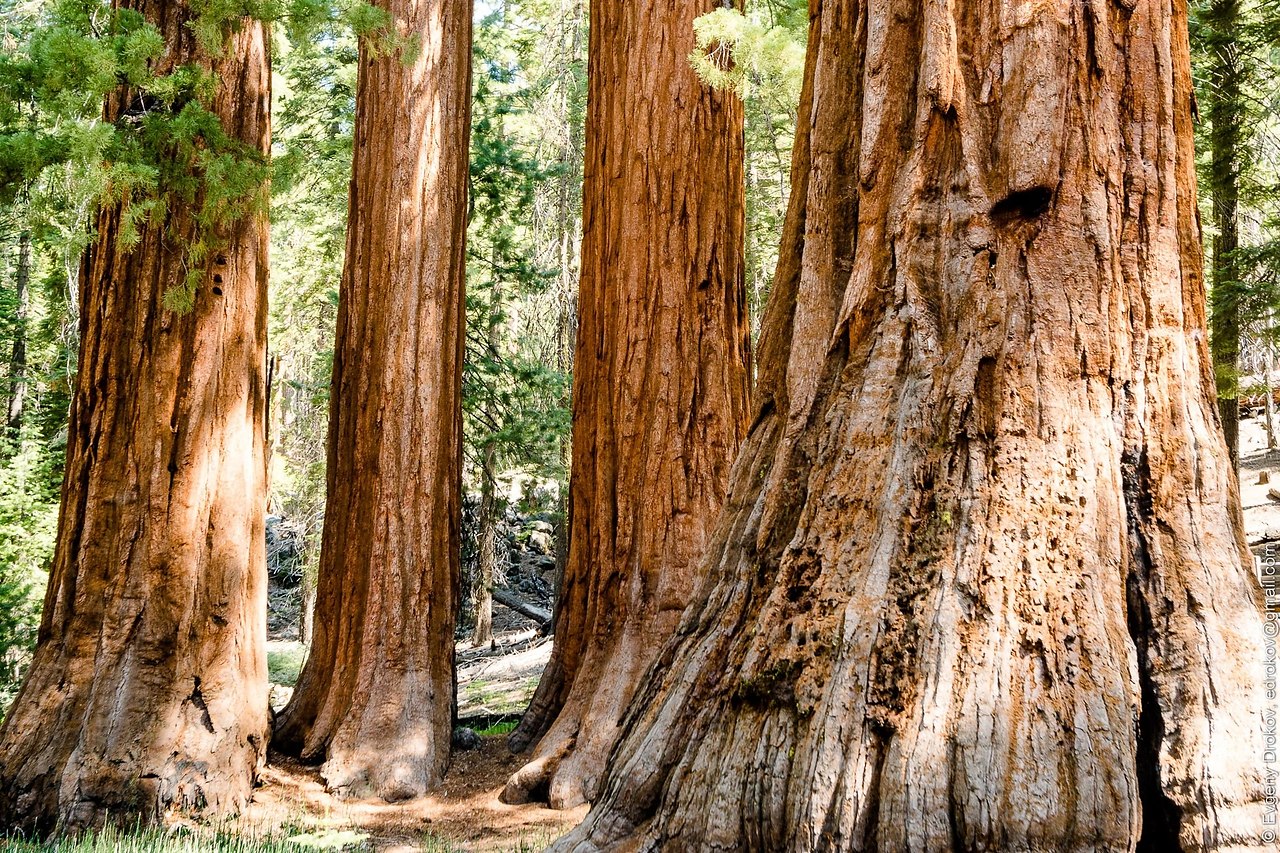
{"points": [[147, 688], [981, 581]]}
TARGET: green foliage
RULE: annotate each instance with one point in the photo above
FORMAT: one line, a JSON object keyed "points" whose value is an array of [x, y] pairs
{"points": [[751, 55], [284, 662], [513, 400], [760, 57]]}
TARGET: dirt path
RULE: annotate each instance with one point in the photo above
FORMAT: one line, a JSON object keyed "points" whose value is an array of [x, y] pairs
{"points": [[495, 684], [463, 815]]}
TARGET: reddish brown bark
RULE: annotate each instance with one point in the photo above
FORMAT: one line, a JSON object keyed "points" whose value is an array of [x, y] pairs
{"points": [[981, 582], [660, 379], [375, 697], [147, 692]]}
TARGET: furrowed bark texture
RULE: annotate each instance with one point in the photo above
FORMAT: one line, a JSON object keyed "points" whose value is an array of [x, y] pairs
{"points": [[147, 692], [660, 380], [375, 697], [980, 583]]}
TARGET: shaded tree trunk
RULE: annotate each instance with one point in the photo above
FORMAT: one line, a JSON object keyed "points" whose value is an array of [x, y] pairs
{"points": [[148, 690], [18, 354], [486, 552], [1226, 113], [981, 581], [660, 380], [375, 697]]}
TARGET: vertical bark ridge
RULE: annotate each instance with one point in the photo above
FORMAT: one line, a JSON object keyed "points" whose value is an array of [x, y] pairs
{"points": [[980, 581]]}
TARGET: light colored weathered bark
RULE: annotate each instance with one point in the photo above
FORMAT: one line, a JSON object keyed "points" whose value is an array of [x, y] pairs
{"points": [[660, 380], [147, 692], [375, 697], [981, 582]]}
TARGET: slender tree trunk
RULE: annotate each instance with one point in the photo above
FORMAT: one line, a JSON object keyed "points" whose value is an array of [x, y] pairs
{"points": [[375, 698], [487, 552], [1268, 365], [981, 582], [18, 355], [569, 225], [147, 692], [1226, 114], [660, 380]]}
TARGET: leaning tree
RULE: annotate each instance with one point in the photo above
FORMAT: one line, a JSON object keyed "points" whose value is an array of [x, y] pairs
{"points": [[148, 689], [980, 582], [660, 380], [375, 697]]}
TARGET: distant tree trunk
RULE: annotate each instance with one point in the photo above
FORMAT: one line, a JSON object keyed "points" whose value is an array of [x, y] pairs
{"points": [[148, 689], [1226, 114], [486, 552], [660, 380], [1268, 365], [375, 697], [981, 582], [18, 355], [569, 226]]}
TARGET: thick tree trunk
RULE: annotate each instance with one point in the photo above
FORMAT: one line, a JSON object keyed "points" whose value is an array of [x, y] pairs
{"points": [[375, 697], [660, 380], [1226, 114], [147, 692], [18, 354], [981, 582]]}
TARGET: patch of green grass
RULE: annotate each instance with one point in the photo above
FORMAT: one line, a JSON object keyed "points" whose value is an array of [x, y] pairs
{"points": [[284, 662], [498, 729], [479, 693], [160, 840]]}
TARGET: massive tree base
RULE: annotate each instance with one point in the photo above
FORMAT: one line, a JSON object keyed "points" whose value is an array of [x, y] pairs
{"points": [[147, 693], [981, 583], [660, 383]]}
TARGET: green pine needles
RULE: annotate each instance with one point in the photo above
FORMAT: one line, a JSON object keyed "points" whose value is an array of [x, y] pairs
{"points": [[167, 152]]}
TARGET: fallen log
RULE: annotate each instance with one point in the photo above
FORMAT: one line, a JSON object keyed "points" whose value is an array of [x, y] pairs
{"points": [[511, 601]]}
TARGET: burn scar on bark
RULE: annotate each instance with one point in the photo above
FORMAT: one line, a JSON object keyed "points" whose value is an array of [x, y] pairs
{"points": [[1022, 206], [1161, 817], [197, 699]]}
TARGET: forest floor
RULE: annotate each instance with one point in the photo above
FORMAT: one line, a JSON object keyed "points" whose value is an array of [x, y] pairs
{"points": [[495, 684]]}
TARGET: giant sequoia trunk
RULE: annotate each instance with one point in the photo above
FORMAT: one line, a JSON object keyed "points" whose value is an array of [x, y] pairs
{"points": [[148, 689], [660, 379], [980, 583], [375, 698]]}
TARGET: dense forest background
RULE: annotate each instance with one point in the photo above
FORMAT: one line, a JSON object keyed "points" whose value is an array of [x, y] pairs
{"points": [[523, 248]]}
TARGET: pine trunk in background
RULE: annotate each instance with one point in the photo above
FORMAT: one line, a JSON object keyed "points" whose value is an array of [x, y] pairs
{"points": [[660, 380], [1226, 113], [569, 225], [486, 552], [981, 582], [18, 355], [148, 689], [375, 697]]}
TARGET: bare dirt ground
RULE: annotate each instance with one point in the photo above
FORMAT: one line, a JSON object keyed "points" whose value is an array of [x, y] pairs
{"points": [[462, 815], [495, 684]]}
